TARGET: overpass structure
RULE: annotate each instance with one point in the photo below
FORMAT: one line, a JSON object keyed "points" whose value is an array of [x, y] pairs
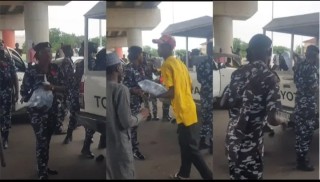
{"points": [[31, 16], [127, 19]]}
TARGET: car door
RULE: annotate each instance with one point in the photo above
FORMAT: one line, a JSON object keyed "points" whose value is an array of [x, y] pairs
{"points": [[20, 70]]}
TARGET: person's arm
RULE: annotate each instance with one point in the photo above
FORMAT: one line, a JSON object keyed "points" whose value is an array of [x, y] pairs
{"points": [[167, 76], [60, 85], [126, 119], [26, 86], [273, 102]]}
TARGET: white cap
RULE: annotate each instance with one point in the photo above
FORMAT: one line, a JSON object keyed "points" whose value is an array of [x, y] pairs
{"points": [[112, 59]]}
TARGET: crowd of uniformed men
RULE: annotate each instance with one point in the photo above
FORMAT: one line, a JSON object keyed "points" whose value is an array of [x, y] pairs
{"points": [[252, 97]]}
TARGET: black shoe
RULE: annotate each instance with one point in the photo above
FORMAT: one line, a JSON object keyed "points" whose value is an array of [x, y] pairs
{"points": [[138, 155], [60, 132], [43, 178], [177, 177], [166, 119], [68, 139], [173, 121], [52, 172], [5, 144], [100, 158], [155, 119], [149, 117], [87, 153], [304, 165]]}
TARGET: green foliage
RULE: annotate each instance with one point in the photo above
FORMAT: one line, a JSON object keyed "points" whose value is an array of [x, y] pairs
{"points": [[181, 53], [238, 43], [153, 52], [299, 50], [280, 49]]}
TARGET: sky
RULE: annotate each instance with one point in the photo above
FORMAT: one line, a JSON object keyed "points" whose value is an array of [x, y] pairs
{"points": [[246, 29], [69, 19]]}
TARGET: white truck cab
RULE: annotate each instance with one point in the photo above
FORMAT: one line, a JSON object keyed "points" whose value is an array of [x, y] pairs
{"points": [[221, 74], [93, 83]]}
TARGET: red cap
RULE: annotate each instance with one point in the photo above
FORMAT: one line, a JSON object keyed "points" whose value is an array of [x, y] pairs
{"points": [[166, 39]]}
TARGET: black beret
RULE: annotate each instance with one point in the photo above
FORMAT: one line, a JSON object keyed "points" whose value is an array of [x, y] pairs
{"points": [[312, 48], [135, 50], [42, 45], [260, 41]]}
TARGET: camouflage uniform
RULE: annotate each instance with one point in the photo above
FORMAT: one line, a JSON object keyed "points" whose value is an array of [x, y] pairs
{"points": [[43, 122], [252, 93], [7, 76], [148, 72], [204, 77], [70, 98], [305, 118], [88, 132], [132, 76]]}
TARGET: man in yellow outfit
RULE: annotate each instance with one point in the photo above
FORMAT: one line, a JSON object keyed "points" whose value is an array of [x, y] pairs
{"points": [[177, 80]]}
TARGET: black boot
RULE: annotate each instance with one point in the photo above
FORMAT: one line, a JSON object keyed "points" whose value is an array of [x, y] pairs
{"points": [[86, 149], [166, 116], [102, 142], [304, 165], [155, 118], [202, 144], [68, 138], [149, 117], [5, 136], [211, 147]]}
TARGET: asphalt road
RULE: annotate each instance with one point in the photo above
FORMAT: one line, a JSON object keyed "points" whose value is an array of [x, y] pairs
{"points": [[158, 142], [279, 157]]}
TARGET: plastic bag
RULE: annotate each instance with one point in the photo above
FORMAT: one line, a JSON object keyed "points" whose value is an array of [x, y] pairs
{"points": [[152, 87], [41, 98]]}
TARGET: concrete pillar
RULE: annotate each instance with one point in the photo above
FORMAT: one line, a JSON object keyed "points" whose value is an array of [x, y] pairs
{"points": [[119, 52], [134, 37], [223, 34], [36, 22], [8, 36]]}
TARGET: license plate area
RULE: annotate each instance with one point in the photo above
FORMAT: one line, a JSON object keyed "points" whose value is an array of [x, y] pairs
{"points": [[283, 116]]}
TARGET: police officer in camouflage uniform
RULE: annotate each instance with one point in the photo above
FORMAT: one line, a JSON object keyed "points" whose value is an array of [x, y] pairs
{"points": [[43, 121], [204, 77], [134, 73], [78, 75], [305, 118], [149, 71], [67, 68], [8, 79], [253, 98]]}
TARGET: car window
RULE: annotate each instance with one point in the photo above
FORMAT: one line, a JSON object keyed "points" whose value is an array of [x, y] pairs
{"points": [[19, 63]]}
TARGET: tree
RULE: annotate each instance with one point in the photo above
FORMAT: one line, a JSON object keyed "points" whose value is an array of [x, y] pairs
{"points": [[239, 44], [56, 37], [279, 49], [299, 49], [151, 51], [96, 40], [181, 53]]}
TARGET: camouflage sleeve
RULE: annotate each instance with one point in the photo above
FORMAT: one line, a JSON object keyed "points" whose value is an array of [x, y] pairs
{"points": [[233, 89], [311, 78], [273, 100], [128, 80], [199, 71], [26, 85], [60, 81], [12, 69]]}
